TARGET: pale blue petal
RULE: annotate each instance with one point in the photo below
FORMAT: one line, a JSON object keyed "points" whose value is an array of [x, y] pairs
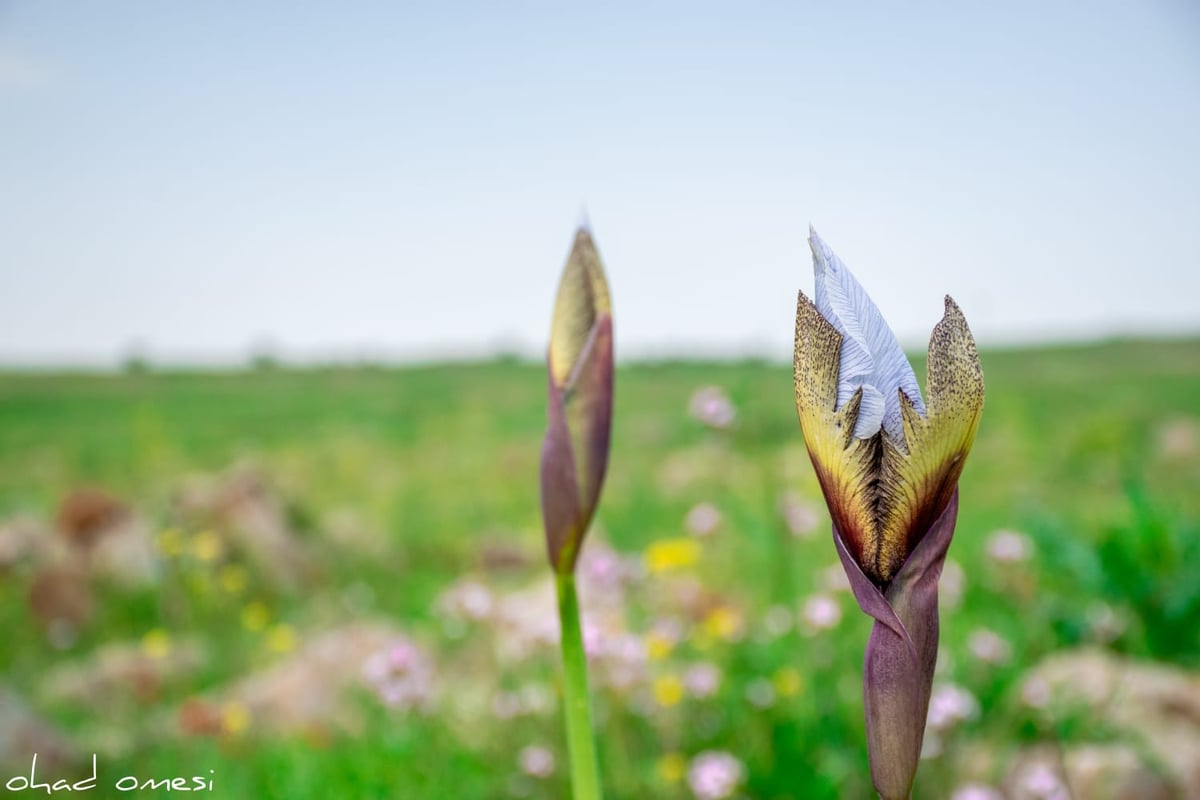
{"points": [[871, 355], [871, 411]]}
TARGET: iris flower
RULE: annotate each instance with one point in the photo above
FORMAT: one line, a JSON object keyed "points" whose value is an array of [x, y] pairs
{"points": [[888, 462], [574, 459]]}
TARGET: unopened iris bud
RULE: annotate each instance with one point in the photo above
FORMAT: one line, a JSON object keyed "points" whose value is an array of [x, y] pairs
{"points": [[580, 365]]}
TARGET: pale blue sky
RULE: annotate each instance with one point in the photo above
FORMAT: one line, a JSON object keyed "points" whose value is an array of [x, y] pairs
{"points": [[347, 178]]}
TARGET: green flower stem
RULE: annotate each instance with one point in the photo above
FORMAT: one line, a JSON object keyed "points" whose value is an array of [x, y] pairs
{"points": [[581, 744]]}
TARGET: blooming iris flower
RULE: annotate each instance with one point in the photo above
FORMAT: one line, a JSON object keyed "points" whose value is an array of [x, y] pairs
{"points": [[888, 464]]}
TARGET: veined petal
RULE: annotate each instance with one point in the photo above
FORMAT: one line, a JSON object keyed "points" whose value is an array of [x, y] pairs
{"points": [[870, 356]]}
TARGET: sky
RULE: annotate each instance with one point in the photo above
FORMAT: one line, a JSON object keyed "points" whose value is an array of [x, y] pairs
{"points": [[194, 181]]}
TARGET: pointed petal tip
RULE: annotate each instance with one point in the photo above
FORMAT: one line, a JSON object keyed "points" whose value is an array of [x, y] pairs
{"points": [[821, 253]]}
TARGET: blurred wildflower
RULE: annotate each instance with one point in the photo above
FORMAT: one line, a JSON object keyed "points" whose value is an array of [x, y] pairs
{"points": [[255, 616], [711, 406], [466, 599], [666, 555], [235, 718], [888, 465], [949, 705], [668, 690], [281, 638], [156, 644], [723, 623], [602, 569], [821, 613], [1179, 437], [1040, 781], [671, 767], [788, 681], [506, 705], [622, 661], [760, 693], [169, 542], [702, 520], [702, 680], [799, 515], [989, 647], [976, 791], [715, 775], [1035, 692], [402, 675], [658, 647], [536, 761], [777, 621], [206, 546], [834, 579], [1009, 547], [233, 578], [662, 637]]}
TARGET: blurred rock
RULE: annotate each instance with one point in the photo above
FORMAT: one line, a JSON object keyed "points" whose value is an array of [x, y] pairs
{"points": [[23, 733], [125, 553], [253, 518], [1157, 707], [87, 513], [28, 540], [1085, 772], [499, 554], [1179, 437], [311, 692], [117, 674], [61, 599]]}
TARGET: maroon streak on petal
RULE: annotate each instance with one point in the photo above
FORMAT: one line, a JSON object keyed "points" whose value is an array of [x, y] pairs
{"points": [[901, 654], [559, 487], [589, 415], [575, 450]]}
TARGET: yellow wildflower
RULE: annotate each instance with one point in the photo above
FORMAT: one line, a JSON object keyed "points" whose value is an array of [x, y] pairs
{"points": [[207, 546], [235, 718], [670, 554], [658, 646], [671, 768], [156, 643], [255, 616], [668, 691], [788, 681], [723, 623], [169, 542], [281, 638], [233, 578]]}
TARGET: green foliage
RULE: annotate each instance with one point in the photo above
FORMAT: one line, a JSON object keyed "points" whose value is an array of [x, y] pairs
{"points": [[438, 465]]}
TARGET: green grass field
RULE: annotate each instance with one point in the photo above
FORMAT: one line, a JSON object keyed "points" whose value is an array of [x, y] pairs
{"points": [[1090, 451]]}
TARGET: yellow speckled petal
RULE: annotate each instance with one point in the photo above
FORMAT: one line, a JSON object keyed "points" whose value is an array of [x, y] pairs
{"points": [[881, 498], [922, 481], [844, 465], [582, 299]]}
